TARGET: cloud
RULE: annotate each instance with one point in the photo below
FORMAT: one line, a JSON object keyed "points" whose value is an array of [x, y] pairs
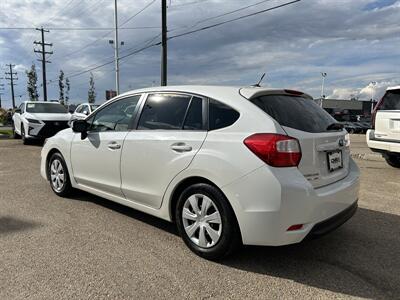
{"points": [[355, 42]]}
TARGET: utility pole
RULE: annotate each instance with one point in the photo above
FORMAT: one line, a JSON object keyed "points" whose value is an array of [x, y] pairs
{"points": [[43, 60], [164, 42], [1, 91], [322, 87], [373, 84], [116, 47], [12, 78]]}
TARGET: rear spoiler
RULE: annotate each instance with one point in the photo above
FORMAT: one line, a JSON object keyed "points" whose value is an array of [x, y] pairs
{"points": [[254, 92]]}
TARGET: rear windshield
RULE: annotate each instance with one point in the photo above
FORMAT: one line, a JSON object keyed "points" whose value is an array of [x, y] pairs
{"points": [[48, 108], [391, 100], [295, 112]]}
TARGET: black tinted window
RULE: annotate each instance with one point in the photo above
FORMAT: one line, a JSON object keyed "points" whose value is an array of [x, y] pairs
{"points": [[194, 117], [221, 115], [164, 111], [391, 100], [115, 116], [295, 112], [49, 108]]}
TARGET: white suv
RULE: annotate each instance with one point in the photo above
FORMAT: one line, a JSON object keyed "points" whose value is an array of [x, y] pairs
{"points": [[39, 120], [385, 137], [227, 165]]}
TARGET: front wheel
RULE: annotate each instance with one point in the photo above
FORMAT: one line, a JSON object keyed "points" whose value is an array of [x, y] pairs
{"points": [[206, 222], [58, 175], [393, 160]]}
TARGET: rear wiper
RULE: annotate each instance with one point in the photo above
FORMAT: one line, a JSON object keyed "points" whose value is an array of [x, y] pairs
{"points": [[335, 126]]}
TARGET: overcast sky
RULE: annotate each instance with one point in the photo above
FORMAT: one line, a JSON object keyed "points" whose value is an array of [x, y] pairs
{"points": [[353, 41]]}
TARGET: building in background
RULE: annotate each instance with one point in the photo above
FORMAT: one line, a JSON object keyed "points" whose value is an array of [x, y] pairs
{"points": [[348, 110]]}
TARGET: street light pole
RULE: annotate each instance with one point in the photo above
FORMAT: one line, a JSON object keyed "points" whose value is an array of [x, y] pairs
{"points": [[323, 74], [116, 48], [373, 83]]}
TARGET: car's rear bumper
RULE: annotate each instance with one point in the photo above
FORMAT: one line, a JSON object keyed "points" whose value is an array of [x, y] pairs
{"points": [[380, 145], [267, 203]]}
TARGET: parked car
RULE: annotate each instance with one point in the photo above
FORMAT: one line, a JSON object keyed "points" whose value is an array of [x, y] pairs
{"points": [[83, 110], [227, 165], [39, 120], [364, 126], [351, 127], [385, 135]]}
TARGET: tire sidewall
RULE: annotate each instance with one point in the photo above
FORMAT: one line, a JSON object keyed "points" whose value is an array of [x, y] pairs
{"points": [[229, 235], [67, 184]]}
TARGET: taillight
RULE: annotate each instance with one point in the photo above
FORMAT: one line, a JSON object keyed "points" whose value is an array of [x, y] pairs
{"points": [[373, 115], [276, 150]]}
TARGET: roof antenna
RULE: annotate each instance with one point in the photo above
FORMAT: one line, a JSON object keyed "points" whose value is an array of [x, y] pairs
{"points": [[259, 82]]}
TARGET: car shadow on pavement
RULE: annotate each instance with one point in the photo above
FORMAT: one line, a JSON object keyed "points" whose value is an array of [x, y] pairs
{"points": [[127, 211], [362, 258], [11, 224]]}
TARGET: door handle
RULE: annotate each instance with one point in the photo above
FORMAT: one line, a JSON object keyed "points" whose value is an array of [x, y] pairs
{"points": [[114, 146], [181, 147]]}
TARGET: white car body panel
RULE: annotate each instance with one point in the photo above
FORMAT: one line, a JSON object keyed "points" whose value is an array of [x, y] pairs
{"points": [[265, 200]]}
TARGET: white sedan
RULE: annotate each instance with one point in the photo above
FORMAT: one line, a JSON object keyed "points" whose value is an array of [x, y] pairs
{"points": [[83, 110], [39, 120], [228, 165]]}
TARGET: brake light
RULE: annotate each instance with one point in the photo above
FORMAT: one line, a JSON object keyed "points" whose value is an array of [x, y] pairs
{"points": [[276, 150], [376, 108]]}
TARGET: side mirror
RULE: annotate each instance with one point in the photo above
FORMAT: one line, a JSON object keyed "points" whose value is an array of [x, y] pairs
{"points": [[80, 126], [86, 112]]}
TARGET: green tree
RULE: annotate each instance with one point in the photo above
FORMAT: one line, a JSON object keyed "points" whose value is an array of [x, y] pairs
{"points": [[61, 86], [68, 87], [91, 92], [32, 84]]}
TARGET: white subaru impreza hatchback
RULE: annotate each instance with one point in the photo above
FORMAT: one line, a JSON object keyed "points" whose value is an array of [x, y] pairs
{"points": [[228, 165]]}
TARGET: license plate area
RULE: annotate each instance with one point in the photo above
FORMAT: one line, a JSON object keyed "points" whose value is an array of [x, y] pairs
{"points": [[335, 160]]}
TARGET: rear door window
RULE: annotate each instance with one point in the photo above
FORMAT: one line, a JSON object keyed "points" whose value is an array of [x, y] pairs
{"points": [[391, 100], [164, 111], [295, 112], [221, 115]]}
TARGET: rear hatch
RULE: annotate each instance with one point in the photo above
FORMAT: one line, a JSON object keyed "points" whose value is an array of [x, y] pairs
{"points": [[324, 145], [387, 120]]}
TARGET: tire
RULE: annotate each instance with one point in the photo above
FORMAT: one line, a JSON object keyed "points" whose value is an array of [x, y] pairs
{"points": [[25, 141], [210, 239], [58, 175], [15, 134], [393, 160]]}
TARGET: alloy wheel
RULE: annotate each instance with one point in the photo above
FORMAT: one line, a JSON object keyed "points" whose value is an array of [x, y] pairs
{"points": [[57, 175], [202, 221]]}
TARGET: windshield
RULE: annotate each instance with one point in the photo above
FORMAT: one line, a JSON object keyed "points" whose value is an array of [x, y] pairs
{"points": [[48, 108], [296, 112]]}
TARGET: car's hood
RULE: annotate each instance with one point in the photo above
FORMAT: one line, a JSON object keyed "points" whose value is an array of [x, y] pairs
{"points": [[49, 117]]}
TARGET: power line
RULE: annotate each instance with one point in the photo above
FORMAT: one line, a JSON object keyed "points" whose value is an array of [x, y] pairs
{"points": [[234, 19], [81, 28], [184, 34], [223, 14], [108, 32]]}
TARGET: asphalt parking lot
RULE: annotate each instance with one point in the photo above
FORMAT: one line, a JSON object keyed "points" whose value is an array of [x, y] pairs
{"points": [[88, 247]]}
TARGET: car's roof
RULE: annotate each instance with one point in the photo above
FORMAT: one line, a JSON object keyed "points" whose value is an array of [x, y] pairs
{"points": [[393, 88], [214, 91]]}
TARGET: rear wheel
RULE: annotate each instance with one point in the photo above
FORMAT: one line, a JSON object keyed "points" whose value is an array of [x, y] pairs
{"points": [[58, 175], [206, 222], [393, 160]]}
